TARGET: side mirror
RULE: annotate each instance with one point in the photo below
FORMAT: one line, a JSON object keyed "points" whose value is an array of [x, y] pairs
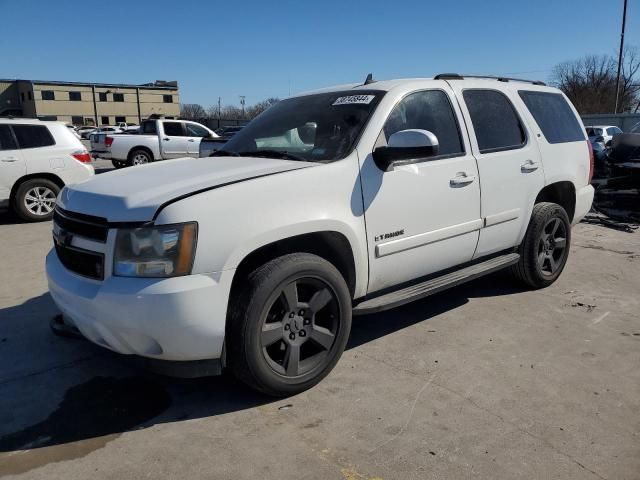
{"points": [[404, 147]]}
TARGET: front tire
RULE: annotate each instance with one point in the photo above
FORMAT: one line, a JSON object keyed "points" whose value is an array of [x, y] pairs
{"points": [[289, 325], [35, 200], [545, 248]]}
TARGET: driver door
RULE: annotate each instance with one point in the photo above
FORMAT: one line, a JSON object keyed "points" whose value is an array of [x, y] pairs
{"points": [[195, 133], [174, 141], [425, 216]]}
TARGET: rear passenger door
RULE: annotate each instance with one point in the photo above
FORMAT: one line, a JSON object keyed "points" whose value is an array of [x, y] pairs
{"points": [[12, 165], [509, 165], [174, 141]]}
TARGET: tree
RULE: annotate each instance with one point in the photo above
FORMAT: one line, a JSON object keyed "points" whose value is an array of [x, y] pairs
{"points": [[590, 82], [192, 111], [255, 110]]}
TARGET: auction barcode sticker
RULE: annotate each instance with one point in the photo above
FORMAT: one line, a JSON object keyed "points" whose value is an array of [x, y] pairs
{"points": [[351, 99]]}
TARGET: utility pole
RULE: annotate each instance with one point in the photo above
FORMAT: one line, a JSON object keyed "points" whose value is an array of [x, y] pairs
{"points": [[624, 21], [219, 110], [242, 101]]}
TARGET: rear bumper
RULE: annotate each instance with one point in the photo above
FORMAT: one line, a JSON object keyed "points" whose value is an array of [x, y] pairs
{"points": [[174, 319], [584, 199], [101, 154]]}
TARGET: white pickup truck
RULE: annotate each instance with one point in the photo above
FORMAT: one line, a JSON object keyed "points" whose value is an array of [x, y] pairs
{"points": [[158, 139]]}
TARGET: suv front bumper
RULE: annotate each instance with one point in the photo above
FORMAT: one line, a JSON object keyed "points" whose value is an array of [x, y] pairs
{"points": [[177, 319]]}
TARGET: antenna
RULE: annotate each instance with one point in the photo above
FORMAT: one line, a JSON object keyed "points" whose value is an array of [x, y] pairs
{"points": [[369, 79]]}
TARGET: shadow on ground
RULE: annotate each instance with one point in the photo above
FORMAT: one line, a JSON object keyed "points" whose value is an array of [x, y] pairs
{"points": [[96, 411]]}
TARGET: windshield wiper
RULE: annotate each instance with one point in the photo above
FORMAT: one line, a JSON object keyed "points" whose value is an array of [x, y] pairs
{"points": [[224, 153], [273, 154]]}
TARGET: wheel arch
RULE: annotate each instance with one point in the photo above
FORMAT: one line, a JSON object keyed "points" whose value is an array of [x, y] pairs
{"points": [[331, 245], [563, 193], [140, 147], [33, 176]]}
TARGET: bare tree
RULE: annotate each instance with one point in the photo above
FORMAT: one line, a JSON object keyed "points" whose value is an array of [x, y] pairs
{"points": [[258, 108], [192, 111], [231, 111], [590, 82]]}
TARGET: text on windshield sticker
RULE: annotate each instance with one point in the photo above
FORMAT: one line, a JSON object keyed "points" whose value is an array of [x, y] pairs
{"points": [[351, 99]]}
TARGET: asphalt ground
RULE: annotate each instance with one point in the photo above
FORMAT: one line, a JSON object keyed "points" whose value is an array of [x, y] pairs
{"points": [[486, 380]]}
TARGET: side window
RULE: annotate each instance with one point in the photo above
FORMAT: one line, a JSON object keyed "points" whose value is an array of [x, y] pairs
{"points": [[48, 95], [194, 130], [75, 96], [6, 138], [554, 116], [102, 96], [427, 110], [33, 136], [118, 97], [173, 129], [495, 121], [149, 127], [613, 131]]}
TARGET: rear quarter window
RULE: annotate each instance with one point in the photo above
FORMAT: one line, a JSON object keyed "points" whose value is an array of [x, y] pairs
{"points": [[554, 116], [33, 136]]}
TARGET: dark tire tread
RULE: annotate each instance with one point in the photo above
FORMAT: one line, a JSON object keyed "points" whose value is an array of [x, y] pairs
{"points": [[526, 270], [238, 326]]}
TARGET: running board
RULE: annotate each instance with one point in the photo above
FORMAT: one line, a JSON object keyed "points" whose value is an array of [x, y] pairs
{"points": [[435, 285]]}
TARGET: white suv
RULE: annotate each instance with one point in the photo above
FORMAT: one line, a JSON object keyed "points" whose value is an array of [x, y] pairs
{"points": [[352, 199], [37, 159]]}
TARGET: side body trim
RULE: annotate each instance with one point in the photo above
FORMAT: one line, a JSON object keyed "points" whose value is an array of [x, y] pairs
{"points": [[401, 244]]}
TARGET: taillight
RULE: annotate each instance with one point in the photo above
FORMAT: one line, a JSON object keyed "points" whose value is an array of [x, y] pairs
{"points": [[82, 156], [592, 160], [108, 141]]}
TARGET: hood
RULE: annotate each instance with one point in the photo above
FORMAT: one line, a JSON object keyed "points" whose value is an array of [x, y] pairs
{"points": [[134, 194]]}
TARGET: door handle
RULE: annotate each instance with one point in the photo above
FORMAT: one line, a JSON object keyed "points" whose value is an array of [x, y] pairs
{"points": [[166, 139], [461, 179], [10, 159], [529, 166], [191, 140]]}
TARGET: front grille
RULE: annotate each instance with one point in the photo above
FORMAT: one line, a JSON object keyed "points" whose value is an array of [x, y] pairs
{"points": [[88, 226], [83, 262]]}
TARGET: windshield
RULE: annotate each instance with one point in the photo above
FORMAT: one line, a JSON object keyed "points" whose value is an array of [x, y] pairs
{"points": [[317, 128]]}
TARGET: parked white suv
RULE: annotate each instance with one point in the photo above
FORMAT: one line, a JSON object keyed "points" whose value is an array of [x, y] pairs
{"points": [[347, 200], [37, 159]]}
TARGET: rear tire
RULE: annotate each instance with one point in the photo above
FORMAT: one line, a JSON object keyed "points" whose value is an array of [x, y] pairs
{"points": [[119, 163], [289, 324], [545, 248], [139, 157], [35, 200]]}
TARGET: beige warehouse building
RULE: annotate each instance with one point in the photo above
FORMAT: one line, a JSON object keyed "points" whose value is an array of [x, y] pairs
{"points": [[82, 103]]}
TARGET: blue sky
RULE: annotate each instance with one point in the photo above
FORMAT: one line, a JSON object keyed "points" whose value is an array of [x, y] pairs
{"points": [[270, 48]]}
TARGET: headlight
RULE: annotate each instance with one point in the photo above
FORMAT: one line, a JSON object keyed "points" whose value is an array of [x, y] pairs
{"points": [[160, 251]]}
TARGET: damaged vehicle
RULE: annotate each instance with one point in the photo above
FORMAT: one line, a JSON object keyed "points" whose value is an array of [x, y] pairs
{"points": [[618, 195], [348, 200]]}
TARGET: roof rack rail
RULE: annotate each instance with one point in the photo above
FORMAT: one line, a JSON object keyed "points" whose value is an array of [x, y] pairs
{"points": [[457, 76]]}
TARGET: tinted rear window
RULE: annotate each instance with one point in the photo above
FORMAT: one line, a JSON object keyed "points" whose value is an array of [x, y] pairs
{"points": [[148, 127], [554, 116], [495, 121], [33, 136]]}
